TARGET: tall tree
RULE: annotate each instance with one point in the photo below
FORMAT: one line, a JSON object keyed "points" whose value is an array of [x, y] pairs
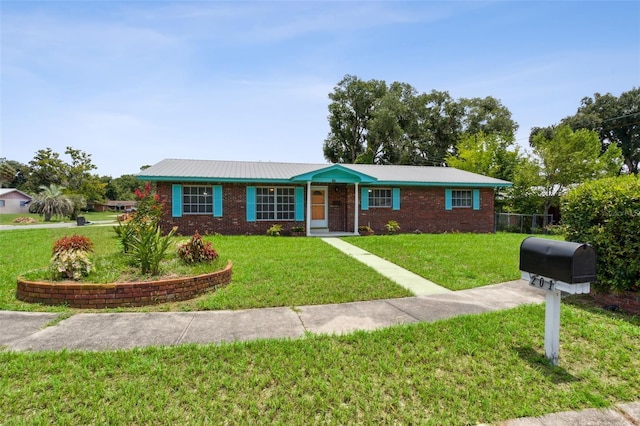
{"points": [[371, 122], [432, 130], [46, 168], [489, 155], [488, 116], [615, 119], [7, 173], [352, 104], [570, 158]]}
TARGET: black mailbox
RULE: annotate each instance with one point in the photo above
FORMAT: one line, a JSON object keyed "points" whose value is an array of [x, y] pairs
{"points": [[559, 260]]}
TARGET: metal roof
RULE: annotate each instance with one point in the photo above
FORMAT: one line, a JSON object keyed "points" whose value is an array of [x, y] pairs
{"points": [[5, 191], [244, 171]]}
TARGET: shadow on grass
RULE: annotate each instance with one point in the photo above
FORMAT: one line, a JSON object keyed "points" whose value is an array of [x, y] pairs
{"points": [[538, 360], [589, 304]]}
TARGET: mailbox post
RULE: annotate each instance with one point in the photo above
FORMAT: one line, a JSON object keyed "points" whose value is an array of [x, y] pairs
{"points": [[556, 266]]}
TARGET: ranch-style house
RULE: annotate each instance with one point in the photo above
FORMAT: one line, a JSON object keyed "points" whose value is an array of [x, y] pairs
{"points": [[238, 197]]}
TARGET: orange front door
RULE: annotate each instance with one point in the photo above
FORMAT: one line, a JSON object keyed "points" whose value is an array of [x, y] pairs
{"points": [[318, 207]]}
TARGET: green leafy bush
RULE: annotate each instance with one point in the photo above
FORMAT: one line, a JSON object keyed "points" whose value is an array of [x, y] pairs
{"points": [[148, 248], [392, 227], [197, 250], [274, 231], [70, 258], [141, 236], [606, 214]]}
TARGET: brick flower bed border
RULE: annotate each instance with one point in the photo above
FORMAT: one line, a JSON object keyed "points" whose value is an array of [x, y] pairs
{"points": [[114, 295]]}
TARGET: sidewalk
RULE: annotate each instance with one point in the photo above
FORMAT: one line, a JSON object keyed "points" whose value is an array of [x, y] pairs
{"points": [[25, 331], [28, 331], [56, 225]]}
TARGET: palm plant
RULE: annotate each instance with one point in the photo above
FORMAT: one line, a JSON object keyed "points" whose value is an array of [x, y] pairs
{"points": [[51, 201]]}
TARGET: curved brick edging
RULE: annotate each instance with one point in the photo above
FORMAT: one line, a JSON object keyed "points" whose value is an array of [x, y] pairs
{"points": [[115, 295]]}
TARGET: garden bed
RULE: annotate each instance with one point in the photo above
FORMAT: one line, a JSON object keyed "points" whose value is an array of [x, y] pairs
{"points": [[125, 294]]}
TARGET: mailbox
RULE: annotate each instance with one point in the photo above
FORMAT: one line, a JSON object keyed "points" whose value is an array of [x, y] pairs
{"points": [[571, 263], [556, 266]]}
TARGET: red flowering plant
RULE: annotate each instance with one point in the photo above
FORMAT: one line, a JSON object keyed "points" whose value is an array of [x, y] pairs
{"points": [[141, 236], [197, 250], [71, 257]]}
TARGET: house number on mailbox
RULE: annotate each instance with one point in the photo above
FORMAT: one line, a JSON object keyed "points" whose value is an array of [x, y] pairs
{"points": [[540, 282]]}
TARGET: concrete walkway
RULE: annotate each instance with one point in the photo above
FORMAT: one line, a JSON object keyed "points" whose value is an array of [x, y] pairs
{"points": [[25, 331], [105, 331], [407, 279], [57, 225]]}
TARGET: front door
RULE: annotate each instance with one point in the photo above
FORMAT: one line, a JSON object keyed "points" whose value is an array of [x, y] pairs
{"points": [[319, 207]]}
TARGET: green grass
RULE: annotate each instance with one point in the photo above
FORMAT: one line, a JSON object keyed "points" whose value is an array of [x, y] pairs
{"points": [[267, 271], [465, 370], [454, 261]]}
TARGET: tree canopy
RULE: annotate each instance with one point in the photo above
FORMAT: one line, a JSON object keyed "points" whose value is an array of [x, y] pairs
{"points": [[569, 158], [616, 120], [372, 122]]}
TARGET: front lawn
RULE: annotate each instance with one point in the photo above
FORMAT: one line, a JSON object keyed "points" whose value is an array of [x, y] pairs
{"points": [[465, 370], [267, 271], [454, 261]]}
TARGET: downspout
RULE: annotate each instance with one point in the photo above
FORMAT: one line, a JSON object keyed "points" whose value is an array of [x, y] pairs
{"points": [[308, 222], [355, 219]]}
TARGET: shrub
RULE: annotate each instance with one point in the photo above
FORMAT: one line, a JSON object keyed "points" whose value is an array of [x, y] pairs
{"points": [[606, 214], [73, 243], [197, 250], [141, 236], [365, 230], [274, 231], [148, 247], [71, 257], [392, 227]]}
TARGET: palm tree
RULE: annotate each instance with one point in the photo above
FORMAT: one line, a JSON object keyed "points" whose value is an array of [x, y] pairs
{"points": [[51, 202]]}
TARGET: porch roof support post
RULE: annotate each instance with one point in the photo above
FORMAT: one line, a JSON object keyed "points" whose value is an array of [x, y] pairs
{"points": [[308, 221], [355, 209]]}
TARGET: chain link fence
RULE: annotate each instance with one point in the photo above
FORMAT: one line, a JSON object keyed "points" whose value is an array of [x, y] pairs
{"points": [[523, 223]]}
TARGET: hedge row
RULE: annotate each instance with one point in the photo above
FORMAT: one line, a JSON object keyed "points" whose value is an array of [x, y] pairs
{"points": [[606, 214]]}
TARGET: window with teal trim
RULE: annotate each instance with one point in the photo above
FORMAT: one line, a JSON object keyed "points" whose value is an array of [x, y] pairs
{"points": [[461, 198], [380, 198], [197, 199], [274, 203]]}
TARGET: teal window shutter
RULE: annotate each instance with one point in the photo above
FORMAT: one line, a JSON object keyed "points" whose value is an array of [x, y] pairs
{"points": [[395, 192], [364, 199], [299, 203], [476, 199], [448, 204], [217, 201], [176, 200], [251, 203]]}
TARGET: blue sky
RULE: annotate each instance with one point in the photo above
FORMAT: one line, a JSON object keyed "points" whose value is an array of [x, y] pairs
{"points": [[132, 83]]}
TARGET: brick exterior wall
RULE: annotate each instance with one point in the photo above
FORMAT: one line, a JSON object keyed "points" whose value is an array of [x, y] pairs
{"points": [[421, 209], [99, 296]]}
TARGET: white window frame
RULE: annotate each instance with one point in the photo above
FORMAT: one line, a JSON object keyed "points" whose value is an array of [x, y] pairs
{"points": [[2, 203], [461, 198], [279, 201], [379, 200], [201, 200]]}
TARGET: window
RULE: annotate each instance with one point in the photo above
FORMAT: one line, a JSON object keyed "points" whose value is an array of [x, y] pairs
{"points": [[461, 198], [275, 203], [1, 203], [197, 199], [23, 203], [380, 198]]}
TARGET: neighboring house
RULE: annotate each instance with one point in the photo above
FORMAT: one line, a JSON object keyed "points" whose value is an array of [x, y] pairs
{"points": [[14, 201], [233, 197], [114, 205]]}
